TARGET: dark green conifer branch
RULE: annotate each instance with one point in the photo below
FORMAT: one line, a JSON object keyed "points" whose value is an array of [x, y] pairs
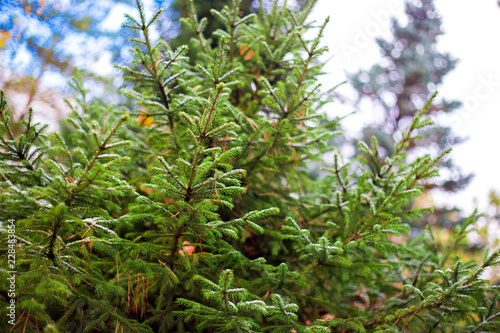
{"points": [[209, 212], [23, 151]]}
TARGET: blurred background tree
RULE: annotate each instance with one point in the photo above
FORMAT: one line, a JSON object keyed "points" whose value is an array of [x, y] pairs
{"points": [[412, 68]]}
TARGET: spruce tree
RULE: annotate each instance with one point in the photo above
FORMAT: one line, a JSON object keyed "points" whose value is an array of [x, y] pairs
{"points": [[195, 212], [411, 70]]}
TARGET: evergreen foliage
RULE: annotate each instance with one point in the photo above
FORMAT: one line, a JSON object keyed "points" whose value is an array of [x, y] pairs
{"points": [[399, 84], [411, 69], [196, 211]]}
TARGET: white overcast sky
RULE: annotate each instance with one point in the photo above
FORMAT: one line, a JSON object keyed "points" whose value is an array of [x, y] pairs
{"points": [[471, 34]]}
